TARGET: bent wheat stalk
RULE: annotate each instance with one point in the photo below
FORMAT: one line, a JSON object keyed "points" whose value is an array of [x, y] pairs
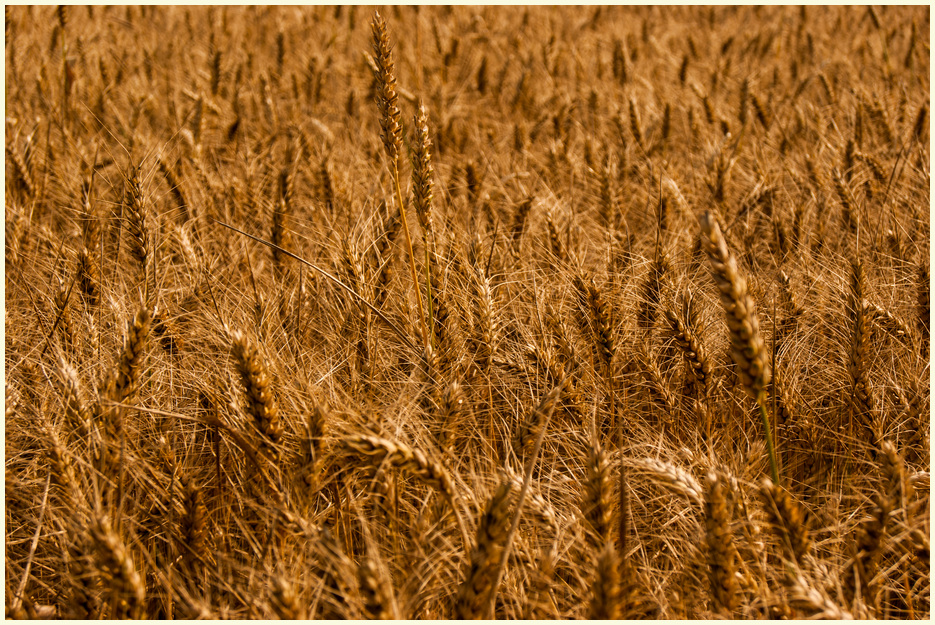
{"points": [[379, 450]]}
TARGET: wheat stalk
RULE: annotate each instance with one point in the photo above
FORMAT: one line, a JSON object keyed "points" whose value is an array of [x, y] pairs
{"points": [[392, 137], [746, 347]]}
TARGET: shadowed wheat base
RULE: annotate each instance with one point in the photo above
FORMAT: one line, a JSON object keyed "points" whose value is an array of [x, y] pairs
{"points": [[508, 302]]}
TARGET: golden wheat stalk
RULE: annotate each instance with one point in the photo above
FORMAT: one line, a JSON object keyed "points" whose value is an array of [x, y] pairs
{"points": [[746, 346], [392, 137]]}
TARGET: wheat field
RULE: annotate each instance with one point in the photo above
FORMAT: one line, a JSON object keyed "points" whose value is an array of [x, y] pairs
{"points": [[467, 312]]}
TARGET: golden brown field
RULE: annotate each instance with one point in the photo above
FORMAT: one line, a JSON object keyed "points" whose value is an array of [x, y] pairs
{"points": [[568, 312]]}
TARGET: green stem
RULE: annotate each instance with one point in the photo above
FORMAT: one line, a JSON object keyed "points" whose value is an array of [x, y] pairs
{"points": [[774, 468]]}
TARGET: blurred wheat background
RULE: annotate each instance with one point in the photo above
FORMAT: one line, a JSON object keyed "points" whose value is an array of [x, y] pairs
{"points": [[567, 313]]}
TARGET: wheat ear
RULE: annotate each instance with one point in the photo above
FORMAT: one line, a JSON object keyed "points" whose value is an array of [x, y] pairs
{"points": [[77, 414], [257, 388], [868, 548], [605, 591], [193, 525], [62, 467], [651, 291], [596, 500], [84, 595], [284, 602], [722, 556], [116, 566], [485, 557], [138, 227], [379, 450], [674, 478], [684, 331], [423, 181], [376, 591], [788, 520], [861, 401], [125, 378], [313, 446], [812, 601]]}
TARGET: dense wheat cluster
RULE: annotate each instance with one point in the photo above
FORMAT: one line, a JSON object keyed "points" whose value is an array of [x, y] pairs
{"points": [[467, 312]]}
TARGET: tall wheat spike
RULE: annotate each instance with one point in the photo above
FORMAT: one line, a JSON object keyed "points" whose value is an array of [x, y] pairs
{"points": [[392, 136]]}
